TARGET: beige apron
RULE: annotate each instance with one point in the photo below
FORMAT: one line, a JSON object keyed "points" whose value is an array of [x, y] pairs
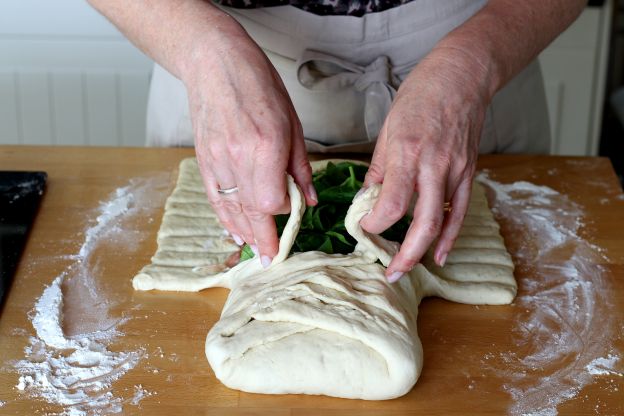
{"points": [[342, 73]]}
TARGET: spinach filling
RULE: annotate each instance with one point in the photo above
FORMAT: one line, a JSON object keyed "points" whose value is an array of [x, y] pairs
{"points": [[322, 226]]}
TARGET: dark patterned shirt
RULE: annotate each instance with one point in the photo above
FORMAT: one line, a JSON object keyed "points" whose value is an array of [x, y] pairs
{"points": [[321, 7]]}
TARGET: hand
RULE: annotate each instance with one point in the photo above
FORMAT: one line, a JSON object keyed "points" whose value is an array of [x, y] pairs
{"points": [[247, 135], [428, 144]]}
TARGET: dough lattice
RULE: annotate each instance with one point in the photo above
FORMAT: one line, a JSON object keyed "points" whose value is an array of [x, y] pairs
{"points": [[315, 323]]}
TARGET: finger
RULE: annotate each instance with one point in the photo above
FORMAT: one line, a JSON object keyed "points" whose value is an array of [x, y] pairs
{"points": [[268, 197], [214, 198], [394, 199], [453, 221], [229, 205], [267, 192], [269, 202], [299, 165], [265, 232], [425, 226], [375, 173]]}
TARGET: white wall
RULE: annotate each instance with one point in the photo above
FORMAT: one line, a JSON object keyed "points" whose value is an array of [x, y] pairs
{"points": [[574, 69], [67, 76]]}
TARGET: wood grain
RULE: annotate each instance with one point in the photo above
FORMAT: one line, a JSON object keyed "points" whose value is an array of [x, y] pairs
{"points": [[172, 326]]}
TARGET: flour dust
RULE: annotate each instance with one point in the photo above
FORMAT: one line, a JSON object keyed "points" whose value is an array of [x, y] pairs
{"points": [[566, 328], [75, 368]]}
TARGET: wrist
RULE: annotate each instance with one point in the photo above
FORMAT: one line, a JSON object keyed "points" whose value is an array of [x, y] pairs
{"points": [[475, 71], [208, 39], [475, 56], [460, 76]]}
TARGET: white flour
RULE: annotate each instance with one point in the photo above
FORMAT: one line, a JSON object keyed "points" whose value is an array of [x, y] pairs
{"points": [[77, 371], [604, 366], [565, 323], [23, 189]]}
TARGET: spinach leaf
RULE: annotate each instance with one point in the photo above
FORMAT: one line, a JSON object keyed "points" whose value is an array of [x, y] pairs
{"points": [[246, 253], [326, 247], [322, 226], [339, 237]]}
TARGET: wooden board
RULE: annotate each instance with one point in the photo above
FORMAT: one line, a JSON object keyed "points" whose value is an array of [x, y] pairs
{"points": [[457, 339]]}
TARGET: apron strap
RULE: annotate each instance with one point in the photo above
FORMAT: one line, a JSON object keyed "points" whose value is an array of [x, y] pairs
{"points": [[377, 80]]}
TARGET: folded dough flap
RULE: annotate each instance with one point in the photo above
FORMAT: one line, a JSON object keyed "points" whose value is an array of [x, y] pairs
{"points": [[330, 330], [369, 244], [186, 260], [478, 270]]}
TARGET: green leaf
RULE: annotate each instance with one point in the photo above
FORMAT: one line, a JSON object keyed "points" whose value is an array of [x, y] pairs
{"points": [[337, 194], [322, 226], [281, 220], [339, 226], [316, 219], [352, 182], [309, 241], [398, 231], [307, 219], [246, 253], [339, 237], [327, 247]]}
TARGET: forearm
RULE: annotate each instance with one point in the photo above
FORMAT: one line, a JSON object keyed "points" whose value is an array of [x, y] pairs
{"points": [[505, 36], [172, 32]]}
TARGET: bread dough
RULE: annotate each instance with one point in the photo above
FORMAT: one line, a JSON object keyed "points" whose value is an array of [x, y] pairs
{"points": [[316, 323]]}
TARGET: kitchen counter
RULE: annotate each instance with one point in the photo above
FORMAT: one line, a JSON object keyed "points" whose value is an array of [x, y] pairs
{"points": [[473, 355]]}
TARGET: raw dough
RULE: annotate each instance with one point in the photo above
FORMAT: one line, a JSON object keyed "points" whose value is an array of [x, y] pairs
{"points": [[315, 323]]}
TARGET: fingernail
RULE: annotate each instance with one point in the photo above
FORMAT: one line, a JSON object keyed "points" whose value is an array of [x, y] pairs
{"points": [[254, 248], [237, 239], [360, 192], [395, 276], [266, 261], [443, 259], [312, 193]]}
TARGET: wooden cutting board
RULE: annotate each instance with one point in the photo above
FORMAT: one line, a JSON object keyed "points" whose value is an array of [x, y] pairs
{"points": [[459, 341]]}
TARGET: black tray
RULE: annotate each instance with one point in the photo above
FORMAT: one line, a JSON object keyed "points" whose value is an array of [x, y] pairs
{"points": [[20, 194]]}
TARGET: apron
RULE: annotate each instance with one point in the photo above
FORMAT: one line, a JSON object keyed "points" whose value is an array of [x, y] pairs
{"points": [[342, 73]]}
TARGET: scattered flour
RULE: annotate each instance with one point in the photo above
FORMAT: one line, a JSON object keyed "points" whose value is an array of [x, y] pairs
{"points": [[139, 394], [77, 371], [604, 366], [23, 189], [566, 322]]}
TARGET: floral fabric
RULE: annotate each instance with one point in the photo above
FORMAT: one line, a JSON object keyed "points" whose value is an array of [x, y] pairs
{"points": [[321, 7]]}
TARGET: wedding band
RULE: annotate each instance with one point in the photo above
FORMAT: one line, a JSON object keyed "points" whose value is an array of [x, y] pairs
{"points": [[447, 207], [227, 190]]}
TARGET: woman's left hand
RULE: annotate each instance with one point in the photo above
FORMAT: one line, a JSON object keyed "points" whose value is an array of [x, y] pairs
{"points": [[429, 144]]}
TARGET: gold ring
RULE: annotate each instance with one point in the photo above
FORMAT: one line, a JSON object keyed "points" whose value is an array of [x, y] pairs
{"points": [[447, 207]]}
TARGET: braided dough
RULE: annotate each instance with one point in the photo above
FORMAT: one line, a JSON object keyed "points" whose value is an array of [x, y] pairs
{"points": [[315, 323]]}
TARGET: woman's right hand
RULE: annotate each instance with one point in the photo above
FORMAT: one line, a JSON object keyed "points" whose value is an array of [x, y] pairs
{"points": [[247, 135]]}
